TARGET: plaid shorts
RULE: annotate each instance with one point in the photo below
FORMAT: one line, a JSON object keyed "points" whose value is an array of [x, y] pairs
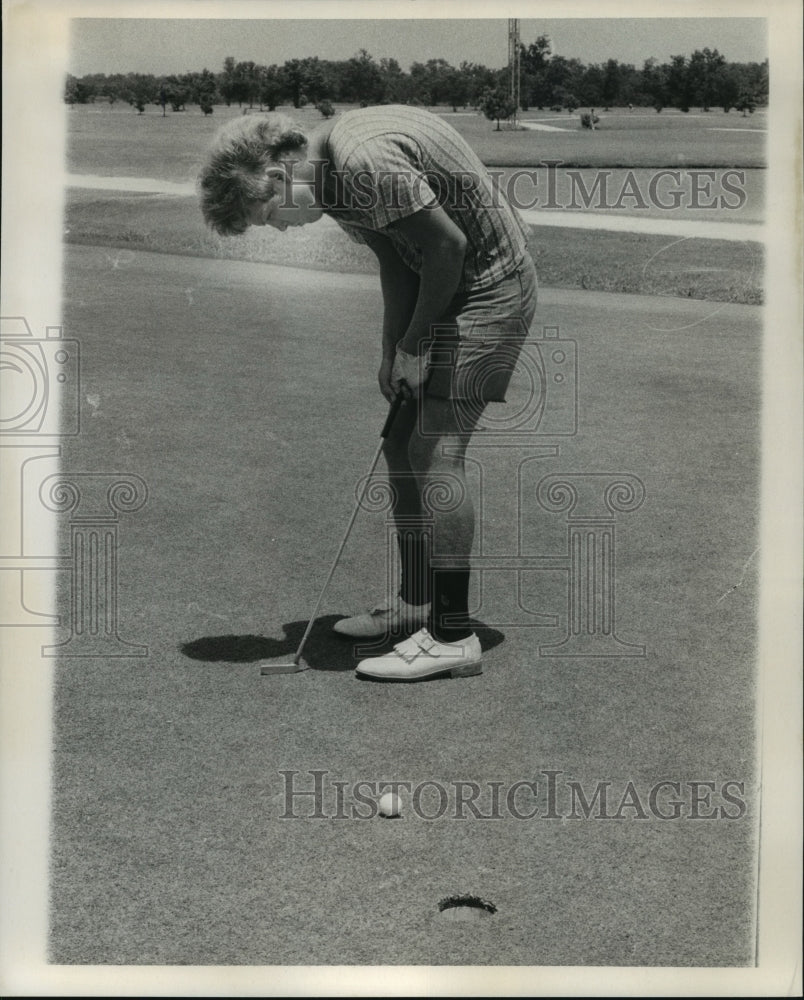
{"points": [[476, 345]]}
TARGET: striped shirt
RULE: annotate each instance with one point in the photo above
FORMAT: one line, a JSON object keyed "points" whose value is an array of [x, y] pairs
{"points": [[391, 161]]}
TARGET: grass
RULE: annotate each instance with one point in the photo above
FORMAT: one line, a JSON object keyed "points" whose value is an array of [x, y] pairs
{"points": [[717, 270], [251, 413], [639, 139], [114, 140]]}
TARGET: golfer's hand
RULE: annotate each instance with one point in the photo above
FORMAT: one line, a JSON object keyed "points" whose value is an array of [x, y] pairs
{"points": [[384, 379], [408, 373]]}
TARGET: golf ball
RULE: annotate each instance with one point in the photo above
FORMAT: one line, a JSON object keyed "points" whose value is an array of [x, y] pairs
{"points": [[390, 804]]}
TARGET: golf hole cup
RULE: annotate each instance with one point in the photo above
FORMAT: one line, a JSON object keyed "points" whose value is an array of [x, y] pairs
{"points": [[390, 805]]}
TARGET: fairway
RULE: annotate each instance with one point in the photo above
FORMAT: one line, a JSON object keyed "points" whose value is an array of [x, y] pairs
{"points": [[252, 446], [719, 176], [101, 138]]}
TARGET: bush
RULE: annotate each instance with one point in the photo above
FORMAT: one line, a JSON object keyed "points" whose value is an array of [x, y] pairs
{"points": [[326, 109], [496, 105]]}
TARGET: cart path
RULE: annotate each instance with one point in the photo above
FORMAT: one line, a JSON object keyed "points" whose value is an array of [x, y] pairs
{"points": [[681, 228]]}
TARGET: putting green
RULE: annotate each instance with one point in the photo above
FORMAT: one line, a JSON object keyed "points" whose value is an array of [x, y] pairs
{"points": [[244, 395]]}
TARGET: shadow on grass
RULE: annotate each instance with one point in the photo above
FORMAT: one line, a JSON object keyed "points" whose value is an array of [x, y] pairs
{"points": [[324, 649]]}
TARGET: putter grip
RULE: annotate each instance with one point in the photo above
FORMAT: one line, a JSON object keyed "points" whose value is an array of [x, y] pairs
{"points": [[389, 420]]}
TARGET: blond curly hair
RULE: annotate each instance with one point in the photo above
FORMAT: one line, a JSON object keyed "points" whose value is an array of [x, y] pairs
{"points": [[234, 172]]}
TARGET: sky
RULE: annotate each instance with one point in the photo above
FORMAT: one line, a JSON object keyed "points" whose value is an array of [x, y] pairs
{"points": [[162, 46]]}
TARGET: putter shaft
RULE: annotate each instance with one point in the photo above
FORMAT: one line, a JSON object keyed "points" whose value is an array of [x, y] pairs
{"points": [[298, 664]]}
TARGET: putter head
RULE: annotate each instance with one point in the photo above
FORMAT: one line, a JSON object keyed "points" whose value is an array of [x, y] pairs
{"points": [[296, 665]]}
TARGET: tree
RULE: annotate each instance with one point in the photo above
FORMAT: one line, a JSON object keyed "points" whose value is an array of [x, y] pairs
{"points": [[248, 82], [175, 92], [78, 91], [315, 80], [436, 82], [497, 105], [703, 72], [203, 87], [678, 83], [396, 84], [756, 79], [226, 80], [534, 58], [610, 92], [455, 88], [303, 78], [654, 83], [728, 87], [270, 88], [478, 78], [362, 80], [591, 89], [563, 76], [291, 76], [746, 102], [71, 90]]}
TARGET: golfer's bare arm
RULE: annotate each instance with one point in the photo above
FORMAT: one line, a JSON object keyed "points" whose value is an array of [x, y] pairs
{"points": [[443, 248], [400, 291], [413, 302]]}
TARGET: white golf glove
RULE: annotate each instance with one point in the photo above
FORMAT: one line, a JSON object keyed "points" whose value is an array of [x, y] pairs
{"points": [[410, 369]]}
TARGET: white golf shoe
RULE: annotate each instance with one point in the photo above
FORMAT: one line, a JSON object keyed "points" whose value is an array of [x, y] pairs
{"points": [[392, 618], [422, 656]]}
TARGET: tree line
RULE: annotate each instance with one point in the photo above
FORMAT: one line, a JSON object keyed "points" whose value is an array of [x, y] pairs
{"points": [[705, 79]]}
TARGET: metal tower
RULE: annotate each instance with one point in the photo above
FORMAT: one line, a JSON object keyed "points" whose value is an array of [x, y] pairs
{"points": [[513, 66]]}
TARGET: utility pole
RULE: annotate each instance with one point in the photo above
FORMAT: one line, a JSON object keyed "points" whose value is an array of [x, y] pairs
{"points": [[513, 66]]}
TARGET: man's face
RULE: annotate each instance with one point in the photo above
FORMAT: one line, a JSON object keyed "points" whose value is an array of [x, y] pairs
{"points": [[294, 204]]}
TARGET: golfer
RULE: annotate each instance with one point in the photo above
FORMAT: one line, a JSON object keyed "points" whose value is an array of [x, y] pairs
{"points": [[459, 294]]}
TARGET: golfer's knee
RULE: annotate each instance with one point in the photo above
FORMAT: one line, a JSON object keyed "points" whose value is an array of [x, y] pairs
{"points": [[431, 455]]}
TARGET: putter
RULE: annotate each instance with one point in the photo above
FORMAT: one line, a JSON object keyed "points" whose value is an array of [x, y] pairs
{"points": [[298, 663]]}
